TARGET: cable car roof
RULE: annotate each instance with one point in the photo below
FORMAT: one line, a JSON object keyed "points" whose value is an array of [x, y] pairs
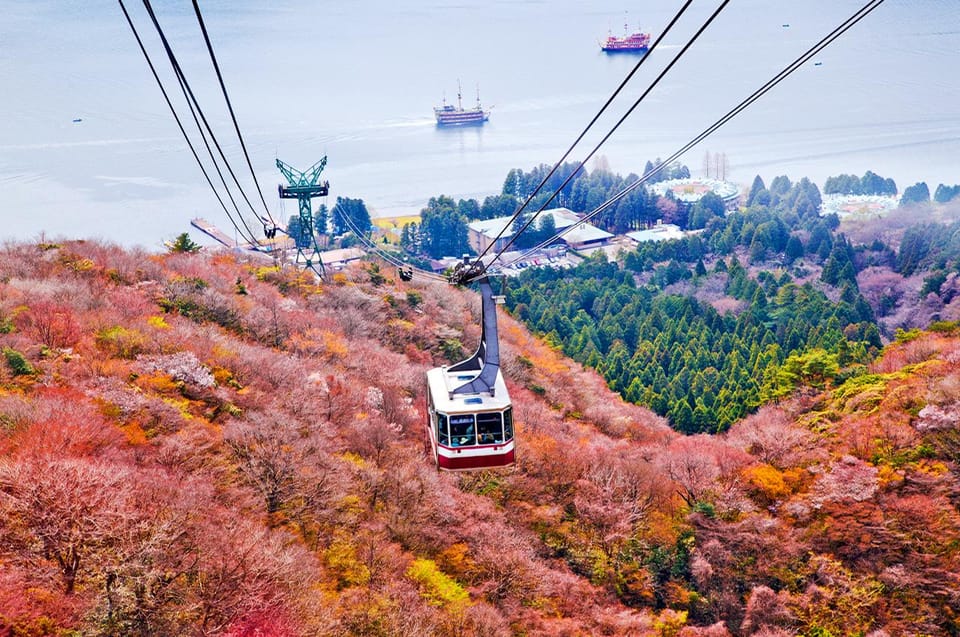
{"points": [[442, 382]]}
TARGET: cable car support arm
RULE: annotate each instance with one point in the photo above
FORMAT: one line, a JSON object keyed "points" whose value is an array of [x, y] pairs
{"points": [[487, 357]]}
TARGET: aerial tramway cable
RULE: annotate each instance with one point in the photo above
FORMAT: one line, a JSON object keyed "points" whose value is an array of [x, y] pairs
{"points": [[183, 130], [473, 275], [603, 108], [863, 12], [206, 144], [619, 122], [233, 116], [269, 230], [196, 109]]}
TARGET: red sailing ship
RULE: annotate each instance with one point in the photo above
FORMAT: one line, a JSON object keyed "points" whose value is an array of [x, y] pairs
{"points": [[638, 42]]}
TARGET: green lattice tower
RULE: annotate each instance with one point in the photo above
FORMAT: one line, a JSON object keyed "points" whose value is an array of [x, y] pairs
{"points": [[304, 186]]}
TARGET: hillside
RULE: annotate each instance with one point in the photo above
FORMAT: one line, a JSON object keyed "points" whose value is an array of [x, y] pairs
{"points": [[696, 320], [192, 445]]}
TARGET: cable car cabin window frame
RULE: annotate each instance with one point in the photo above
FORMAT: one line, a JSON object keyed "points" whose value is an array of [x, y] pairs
{"points": [[487, 434], [466, 433], [443, 432]]}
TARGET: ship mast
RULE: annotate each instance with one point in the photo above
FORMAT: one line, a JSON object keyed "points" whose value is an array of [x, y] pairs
{"points": [[459, 103]]}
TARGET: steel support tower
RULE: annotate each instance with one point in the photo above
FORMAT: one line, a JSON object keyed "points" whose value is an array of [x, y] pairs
{"points": [[304, 186]]}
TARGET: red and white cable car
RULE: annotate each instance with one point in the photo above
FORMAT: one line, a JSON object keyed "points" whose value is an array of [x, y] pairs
{"points": [[469, 415]]}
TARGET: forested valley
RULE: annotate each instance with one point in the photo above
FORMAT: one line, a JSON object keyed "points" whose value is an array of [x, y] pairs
{"points": [[748, 306], [707, 328], [192, 444]]}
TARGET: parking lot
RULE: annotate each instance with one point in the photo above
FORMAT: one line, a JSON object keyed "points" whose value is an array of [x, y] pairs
{"points": [[518, 261]]}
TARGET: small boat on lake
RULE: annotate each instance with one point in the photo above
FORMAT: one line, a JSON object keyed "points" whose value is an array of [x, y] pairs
{"points": [[637, 42], [450, 115]]}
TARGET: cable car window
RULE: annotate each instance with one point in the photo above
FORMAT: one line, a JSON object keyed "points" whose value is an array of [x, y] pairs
{"points": [[489, 428], [508, 423], [443, 434], [462, 432]]}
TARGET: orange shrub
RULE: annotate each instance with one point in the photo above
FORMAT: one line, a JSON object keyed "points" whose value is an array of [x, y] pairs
{"points": [[159, 383], [456, 560], [767, 484]]}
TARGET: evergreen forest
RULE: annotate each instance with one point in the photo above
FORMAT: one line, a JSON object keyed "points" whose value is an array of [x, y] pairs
{"points": [[705, 329]]}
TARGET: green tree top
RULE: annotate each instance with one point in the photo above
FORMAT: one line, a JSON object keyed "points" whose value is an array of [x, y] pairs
{"points": [[183, 243], [917, 193]]}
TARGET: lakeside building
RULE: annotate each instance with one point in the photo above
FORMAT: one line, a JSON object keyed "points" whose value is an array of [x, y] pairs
{"points": [[858, 205], [333, 260], [660, 232], [483, 234], [687, 192], [338, 259]]}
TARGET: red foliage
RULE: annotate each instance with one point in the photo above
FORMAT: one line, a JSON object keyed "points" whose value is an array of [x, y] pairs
{"points": [[704, 470], [714, 630], [64, 510], [416, 355], [264, 623], [614, 496], [29, 604], [130, 305], [61, 422], [52, 324], [917, 350], [277, 483]]}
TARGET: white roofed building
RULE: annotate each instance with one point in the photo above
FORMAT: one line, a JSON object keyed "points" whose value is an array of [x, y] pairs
{"points": [[337, 259], [481, 234], [689, 191], [659, 232]]}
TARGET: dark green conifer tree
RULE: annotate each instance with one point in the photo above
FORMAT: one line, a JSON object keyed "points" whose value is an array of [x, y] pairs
{"points": [[755, 188]]}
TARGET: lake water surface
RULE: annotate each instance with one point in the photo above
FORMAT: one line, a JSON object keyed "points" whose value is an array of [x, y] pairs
{"points": [[357, 81]]}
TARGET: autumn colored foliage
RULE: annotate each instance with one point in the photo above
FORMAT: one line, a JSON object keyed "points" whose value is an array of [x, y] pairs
{"points": [[196, 445]]}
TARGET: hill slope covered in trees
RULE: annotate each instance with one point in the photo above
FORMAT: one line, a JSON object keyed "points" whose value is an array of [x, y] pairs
{"points": [[706, 328], [195, 446]]}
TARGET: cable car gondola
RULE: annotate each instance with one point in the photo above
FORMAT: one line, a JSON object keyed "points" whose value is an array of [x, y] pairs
{"points": [[469, 415]]}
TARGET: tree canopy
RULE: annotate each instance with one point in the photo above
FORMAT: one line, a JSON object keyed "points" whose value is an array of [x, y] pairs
{"points": [[183, 243], [349, 214]]}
